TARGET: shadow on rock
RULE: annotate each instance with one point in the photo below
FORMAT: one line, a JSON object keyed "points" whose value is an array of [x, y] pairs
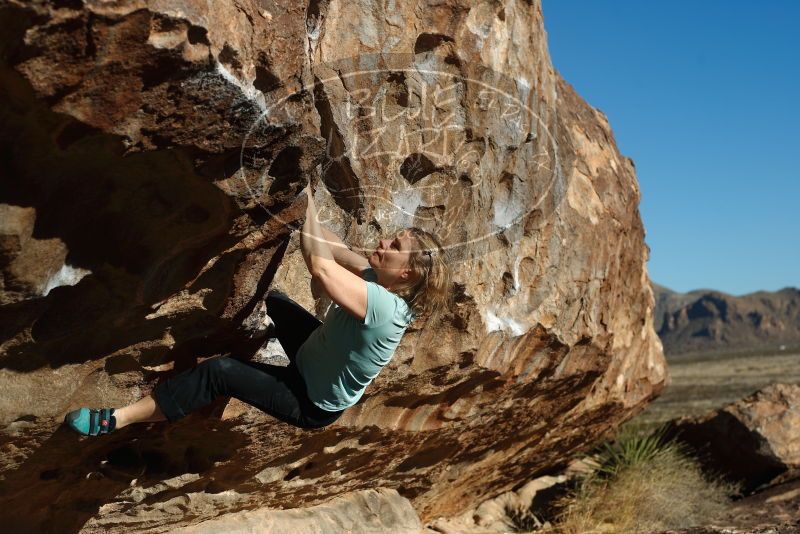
{"points": [[69, 478]]}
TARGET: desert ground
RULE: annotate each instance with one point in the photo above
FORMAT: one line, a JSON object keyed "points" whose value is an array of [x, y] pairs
{"points": [[705, 381]]}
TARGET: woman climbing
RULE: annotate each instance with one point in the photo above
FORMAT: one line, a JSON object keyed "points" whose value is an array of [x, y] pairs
{"points": [[331, 362]]}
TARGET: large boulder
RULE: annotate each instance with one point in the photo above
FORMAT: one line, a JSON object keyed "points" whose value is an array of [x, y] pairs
{"points": [[152, 155], [752, 440], [358, 512]]}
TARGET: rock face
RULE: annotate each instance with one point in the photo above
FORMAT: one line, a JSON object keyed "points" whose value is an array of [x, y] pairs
{"points": [[706, 320], [524, 509], [752, 440], [152, 154], [361, 512]]}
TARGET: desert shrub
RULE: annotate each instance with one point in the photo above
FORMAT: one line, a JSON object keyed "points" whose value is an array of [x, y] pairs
{"points": [[643, 484]]}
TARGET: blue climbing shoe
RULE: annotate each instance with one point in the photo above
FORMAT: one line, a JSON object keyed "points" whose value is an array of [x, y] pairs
{"points": [[90, 422]]}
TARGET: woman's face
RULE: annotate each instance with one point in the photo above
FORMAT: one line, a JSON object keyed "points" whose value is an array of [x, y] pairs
{"points": [[390, 258]]}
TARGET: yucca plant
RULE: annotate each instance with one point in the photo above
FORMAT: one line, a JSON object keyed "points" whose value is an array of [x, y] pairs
{"points": [[643, 483], [631, 447]]}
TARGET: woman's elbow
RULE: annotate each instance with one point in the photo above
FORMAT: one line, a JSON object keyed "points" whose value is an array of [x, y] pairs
{"points": [[319, 268]]}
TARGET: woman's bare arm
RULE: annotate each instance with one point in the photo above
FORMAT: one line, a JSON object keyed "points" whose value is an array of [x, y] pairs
{"points": [[313, 243], [345, 288], [345, 257]]}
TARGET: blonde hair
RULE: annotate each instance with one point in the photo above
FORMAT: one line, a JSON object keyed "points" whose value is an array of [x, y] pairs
{"points": [[428, 292]]}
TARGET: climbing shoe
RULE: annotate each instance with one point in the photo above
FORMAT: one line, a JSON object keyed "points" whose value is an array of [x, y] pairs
{"points": [[91, 422]]}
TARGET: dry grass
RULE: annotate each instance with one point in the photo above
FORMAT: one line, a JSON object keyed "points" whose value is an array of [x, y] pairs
{"points": [[643, 488]]}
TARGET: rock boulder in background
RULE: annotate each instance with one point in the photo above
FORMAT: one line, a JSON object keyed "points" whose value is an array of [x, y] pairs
{"points": [[752, 440]]}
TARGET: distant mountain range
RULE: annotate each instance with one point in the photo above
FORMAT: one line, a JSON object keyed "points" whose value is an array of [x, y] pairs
{"points": [[707, 320]]}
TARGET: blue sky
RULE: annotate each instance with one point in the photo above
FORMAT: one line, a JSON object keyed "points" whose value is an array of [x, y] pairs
{"points": [[704, 96]]}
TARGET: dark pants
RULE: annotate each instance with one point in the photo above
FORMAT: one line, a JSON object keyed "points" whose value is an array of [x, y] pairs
{"points": [[278, 391]]}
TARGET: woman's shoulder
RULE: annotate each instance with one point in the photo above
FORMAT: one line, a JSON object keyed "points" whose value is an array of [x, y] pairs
{"points": [[401, 307], [404, 310]]}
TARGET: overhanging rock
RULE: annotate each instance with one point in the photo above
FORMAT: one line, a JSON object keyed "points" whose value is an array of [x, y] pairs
{"points": [[152, 154]]}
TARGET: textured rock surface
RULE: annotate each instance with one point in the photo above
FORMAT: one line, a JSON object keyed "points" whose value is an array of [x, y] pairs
{"points": [[533, 501], [753, 440], [366, 511], [152, 152]]}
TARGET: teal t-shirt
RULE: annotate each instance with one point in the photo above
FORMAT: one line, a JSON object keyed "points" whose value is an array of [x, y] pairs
{"points": [[343, 355]]}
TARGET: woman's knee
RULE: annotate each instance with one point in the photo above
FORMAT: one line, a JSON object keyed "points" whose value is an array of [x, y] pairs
{"points": [[225, 364], [221, 371], [213, 365]]}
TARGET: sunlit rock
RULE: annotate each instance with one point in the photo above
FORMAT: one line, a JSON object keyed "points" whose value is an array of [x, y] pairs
{"points": [[163, 144]]}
